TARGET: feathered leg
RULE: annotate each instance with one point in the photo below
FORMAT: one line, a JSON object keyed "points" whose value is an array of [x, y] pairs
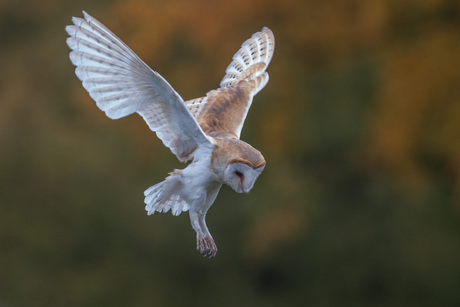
{"points": [[204, 241]]}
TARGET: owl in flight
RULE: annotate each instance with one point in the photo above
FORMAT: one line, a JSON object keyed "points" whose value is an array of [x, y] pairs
{"points": [[204, 131]]}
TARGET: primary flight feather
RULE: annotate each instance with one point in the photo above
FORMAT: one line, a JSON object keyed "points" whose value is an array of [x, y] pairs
{"points": [[204, 130]]}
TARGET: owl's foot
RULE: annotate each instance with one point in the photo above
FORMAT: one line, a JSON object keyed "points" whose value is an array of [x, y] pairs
{"points": [[206, 246]]}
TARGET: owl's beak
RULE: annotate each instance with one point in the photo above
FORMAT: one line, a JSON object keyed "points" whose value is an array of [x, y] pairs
{"points": [[240, 189], [244, 189]]}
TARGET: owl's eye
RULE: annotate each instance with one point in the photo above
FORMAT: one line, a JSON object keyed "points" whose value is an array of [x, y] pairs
{"points": [[239, 174]]}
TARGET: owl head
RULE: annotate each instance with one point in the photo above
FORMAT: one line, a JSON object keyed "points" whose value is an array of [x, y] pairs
{"points": [[241, 176], [236, 164]]}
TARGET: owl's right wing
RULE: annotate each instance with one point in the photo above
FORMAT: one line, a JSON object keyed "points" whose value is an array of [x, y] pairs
{"points": [[122, 84], [224, 110]]}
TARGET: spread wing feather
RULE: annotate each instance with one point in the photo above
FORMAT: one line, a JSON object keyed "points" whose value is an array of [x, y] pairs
{"points": [[122, 84], [255, 51], [225, 109], [196, 105]]}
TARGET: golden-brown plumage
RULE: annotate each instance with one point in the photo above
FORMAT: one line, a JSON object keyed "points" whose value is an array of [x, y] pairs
{"points": [[225, 109], [231, 150]]}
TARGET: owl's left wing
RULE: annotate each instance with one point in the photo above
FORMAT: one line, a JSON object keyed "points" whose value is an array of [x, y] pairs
{"points": [[224, 110], [122, 84]]}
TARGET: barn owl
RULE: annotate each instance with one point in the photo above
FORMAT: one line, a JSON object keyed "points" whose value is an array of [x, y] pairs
{"points": [[203, 131]]}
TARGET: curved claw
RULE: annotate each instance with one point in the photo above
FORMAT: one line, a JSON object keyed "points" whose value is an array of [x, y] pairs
{"points": [[206, 246]]}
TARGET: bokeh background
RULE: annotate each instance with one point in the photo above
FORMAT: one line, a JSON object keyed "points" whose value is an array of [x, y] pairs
{"points": [[359, 204]]}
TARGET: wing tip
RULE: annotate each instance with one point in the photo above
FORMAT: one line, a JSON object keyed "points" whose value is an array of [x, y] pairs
{"points": [[267, 30], [69, 29], [86, 15], [242, 62]]}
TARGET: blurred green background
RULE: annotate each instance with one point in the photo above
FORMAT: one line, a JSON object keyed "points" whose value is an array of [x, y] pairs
{"points": [[359, 204]]}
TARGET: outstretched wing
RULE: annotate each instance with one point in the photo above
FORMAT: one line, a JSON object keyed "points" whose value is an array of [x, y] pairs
{"points": [[224, 110], [122, 84], [251, 60]]}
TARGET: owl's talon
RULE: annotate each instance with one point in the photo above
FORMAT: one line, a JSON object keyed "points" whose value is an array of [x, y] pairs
{"points": [[206, 246]]}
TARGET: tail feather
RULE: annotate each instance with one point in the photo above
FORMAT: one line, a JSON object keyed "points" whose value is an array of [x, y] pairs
{"points": [[164, 196]]}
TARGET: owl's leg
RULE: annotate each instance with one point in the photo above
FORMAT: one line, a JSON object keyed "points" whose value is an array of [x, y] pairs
{"points": [[204, 241], [211, 247]]}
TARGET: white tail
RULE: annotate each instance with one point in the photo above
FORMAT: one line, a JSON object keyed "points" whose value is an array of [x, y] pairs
{"points": [[164, 196]]}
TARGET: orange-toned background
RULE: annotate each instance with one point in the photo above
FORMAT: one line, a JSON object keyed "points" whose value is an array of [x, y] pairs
{"points": [[359, 204]]}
